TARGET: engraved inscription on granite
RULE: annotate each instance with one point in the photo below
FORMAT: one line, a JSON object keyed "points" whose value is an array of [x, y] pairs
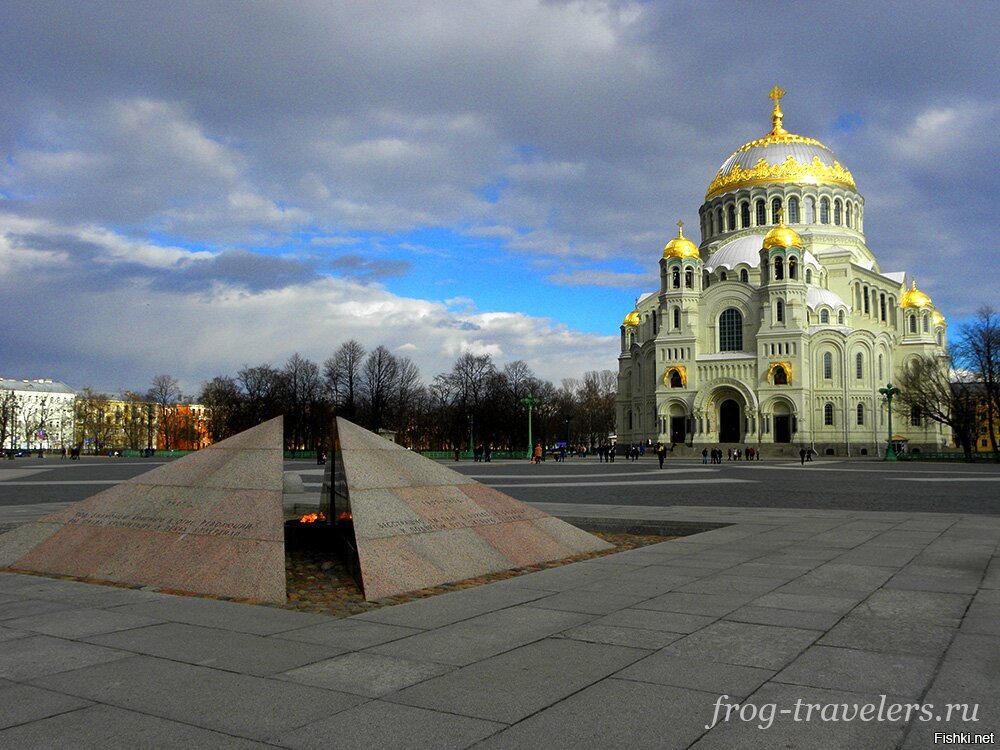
{"points": [[116, 520]]}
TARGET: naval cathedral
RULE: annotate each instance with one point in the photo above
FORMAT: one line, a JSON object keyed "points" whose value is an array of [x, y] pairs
{"points": [[780, 327]]}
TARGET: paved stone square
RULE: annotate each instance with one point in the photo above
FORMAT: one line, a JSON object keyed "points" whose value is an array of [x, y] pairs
{"points": [[794, 607]]}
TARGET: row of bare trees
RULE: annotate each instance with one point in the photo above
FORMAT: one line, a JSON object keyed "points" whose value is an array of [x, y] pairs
{"points": [[474, 402], [962, 389]]}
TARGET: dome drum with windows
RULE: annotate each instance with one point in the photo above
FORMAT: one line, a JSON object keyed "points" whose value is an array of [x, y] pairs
{"points": [[780, 325]]}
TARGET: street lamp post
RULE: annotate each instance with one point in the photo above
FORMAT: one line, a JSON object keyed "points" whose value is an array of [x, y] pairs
{"points": [[889, 391], [471, 445], [530, 402]]}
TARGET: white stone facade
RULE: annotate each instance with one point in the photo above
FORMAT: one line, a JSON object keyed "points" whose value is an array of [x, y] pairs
{"points": [[36, 414]]}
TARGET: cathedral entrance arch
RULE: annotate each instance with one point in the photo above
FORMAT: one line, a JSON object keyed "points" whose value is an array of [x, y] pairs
{"points": [[730, 422], [782, 423]]}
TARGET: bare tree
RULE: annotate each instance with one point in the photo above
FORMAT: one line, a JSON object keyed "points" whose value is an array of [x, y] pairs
{"points": [[94, 425], [924, 384], [261, 386], [165, 392], [9, 405], [223, 401], [342, 373], [301, 391], [378, 383], [979, 352]]}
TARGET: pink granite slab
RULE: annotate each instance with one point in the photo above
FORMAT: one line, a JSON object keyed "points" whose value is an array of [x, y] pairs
{"points": [[208, 523], [418, 523]]}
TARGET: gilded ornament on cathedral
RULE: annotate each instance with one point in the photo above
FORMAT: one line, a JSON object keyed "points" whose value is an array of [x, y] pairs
{"points": [[680, 246], [786, 366], [816, 171], [913, 297], [632, 320], [681, 373]]}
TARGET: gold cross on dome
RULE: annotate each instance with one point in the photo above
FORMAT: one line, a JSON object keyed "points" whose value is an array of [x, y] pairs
{"points": [[776, 94], [680, 228]]}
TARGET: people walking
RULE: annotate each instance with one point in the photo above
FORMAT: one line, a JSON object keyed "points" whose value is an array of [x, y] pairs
{"points": [[704, 455], [661, 453], [538, 453], [802, 456]]}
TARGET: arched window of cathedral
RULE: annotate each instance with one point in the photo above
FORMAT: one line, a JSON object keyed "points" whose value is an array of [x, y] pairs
{"points": [[927, 324], [915, 416], [827, 366], [779, 310], [675, 379], [630, 419], [775, 209], [861, 413], [809, 276], [689, 278], [780, 376], [732, 217], [779, 269], [744, 276], [765, 272], [824, 316], [859, 366], [718, 221], [850, 219], [731, 330], [654, 322], [677, 317], [880, 367], [913, 324], [827, 415], [761, 214], [744, 215], [810, 211], [840, 317], [940, 339], [675, 278], [824, 211], [711, 224], [881, 307], [838, 212], [793, 210], [864, 298], [793, 268], [723, 276]]}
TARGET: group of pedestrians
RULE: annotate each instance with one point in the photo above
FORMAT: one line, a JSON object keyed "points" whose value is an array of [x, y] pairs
{"points": [[733, 454], [606, 453], [482, 453]]}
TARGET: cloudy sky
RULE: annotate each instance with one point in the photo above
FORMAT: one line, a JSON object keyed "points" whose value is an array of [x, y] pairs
{"points": [[189, 187]]}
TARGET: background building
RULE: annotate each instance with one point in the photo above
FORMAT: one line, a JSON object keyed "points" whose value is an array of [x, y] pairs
{"points": [[780, 327], [36, 414]]}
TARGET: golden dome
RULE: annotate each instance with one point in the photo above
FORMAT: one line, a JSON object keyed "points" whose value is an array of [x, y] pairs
{"points": [[780, 156], [913, 297], [680, 246], [938, 318], [782, 236], [632, 320]]}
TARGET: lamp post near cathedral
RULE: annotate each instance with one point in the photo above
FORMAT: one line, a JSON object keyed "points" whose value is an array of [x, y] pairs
{"points": [[889, 391], [530, 402]]}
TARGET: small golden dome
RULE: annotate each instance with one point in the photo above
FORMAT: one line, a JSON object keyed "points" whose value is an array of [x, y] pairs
{"points": [[680, 246], [913, 297], [938, 318], [632, 320], [782, 236]]}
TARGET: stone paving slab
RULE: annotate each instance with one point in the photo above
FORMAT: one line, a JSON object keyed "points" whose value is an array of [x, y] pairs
{"points": [[365, 674], [22, 704], [237, 704], [521, 682], [26, 658], [221, 649], [785, 609], [483, 636], [80, 623], [613, 714], [378, 724], [107, 727]]}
